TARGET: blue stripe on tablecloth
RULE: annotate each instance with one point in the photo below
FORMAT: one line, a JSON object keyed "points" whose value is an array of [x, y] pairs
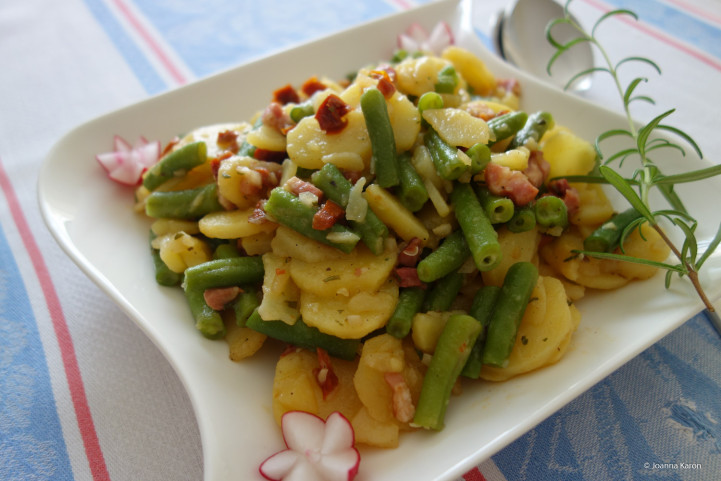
{"points": [[227, 33], [31, 439], [676, 23], [650, 412], [134, 56]]}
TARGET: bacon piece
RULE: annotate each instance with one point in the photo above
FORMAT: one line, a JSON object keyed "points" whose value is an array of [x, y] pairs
{"points": [[353, 176], [324, 374], [275, 117], [385, 84], [408, 277], [269, 155], [286, 95], [169, 147], [259, 216], [228, 140], [218, 297], [296, 186], [331, 114], [538, 168], [503, 181], [411, 253], [561, 188], [312, 85], [403, 408], [510, 85], [328, 215]]}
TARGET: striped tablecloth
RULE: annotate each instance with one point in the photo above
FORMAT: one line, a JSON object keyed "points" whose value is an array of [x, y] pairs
{"points": [[84, 395]]}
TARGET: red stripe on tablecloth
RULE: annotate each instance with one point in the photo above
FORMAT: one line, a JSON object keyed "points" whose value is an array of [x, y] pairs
{"points": [[651, 32], [402, 4], [474, 475], [701, 13], [174, 72], [88, 434]]}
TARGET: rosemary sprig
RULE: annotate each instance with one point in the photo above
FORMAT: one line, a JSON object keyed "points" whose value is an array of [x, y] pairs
{"points": [[642, 141]]}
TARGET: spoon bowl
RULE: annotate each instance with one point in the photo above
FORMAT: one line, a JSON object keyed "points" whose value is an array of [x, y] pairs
{"points": [[520, 38]]}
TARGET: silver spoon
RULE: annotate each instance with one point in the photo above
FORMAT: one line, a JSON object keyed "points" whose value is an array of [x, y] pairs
{"points": [[520, 39]]}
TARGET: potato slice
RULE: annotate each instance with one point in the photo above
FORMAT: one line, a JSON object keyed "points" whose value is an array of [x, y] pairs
{"points": [[350, 317], [372, 432], [280, 294], [242, 342], [457, 127], [232, 224], [347, 275], [471, 68], [546, 325], [290, 243], [307, 143], [515, 247], [567, 153], [295, 386]]}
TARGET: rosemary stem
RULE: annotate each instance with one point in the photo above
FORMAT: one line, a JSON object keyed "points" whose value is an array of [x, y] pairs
{"points": [[690, 270]]}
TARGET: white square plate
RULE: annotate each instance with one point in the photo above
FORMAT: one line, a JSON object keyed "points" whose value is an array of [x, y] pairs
{"points": [[93, 220]]}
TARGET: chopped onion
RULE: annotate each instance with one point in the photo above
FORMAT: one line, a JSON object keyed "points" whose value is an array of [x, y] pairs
{"points": [[126, 164], [357, 207]]}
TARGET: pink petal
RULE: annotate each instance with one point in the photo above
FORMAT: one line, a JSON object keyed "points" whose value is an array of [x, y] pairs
{"points": [[279, 465], [416, 32], [302, 431], [408, 44], [342, 466], [149, 153], [339, 434], [441, 37], [120, 144]]}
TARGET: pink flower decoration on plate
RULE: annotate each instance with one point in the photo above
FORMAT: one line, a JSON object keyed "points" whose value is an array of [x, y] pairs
{"points": [[317, 450], [127, 163], [417, 39]]}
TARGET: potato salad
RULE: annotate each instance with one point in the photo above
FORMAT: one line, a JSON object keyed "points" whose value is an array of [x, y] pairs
{"points": [[391, 236]]}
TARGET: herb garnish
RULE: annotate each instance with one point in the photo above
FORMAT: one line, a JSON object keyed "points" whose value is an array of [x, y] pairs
{"points": [[642, 142]]}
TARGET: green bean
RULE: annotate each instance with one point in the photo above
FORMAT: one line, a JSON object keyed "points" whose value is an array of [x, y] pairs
{"points": [[448, 257], [337, 188], [480, 155], [447, 80], [226, 250], [444, 291], [451, 354], [481, 310], [606, 238], [163, 275], [482, 239], [188, 204], [411, 192], [410, 301], [244, 305], [247, 149], [445, 157], [207, 320], [498, 209], [302, 335], [233, 271], [510, 306], [551, 212], [383, 143], [300, 111], [429, 101], [507, 125], [175, 164], [289, 210], [399, 55], [524, 219], [536, 125]]}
